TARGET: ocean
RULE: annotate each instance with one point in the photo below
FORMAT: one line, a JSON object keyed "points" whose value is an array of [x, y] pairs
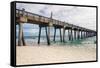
{"points": [[30, 40]]}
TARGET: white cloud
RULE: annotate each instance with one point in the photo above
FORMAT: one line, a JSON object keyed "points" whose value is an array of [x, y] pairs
{"points": [[82, 16]]}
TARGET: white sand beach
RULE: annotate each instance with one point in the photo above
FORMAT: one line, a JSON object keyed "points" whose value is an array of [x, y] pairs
{"points": [[40, 54]]}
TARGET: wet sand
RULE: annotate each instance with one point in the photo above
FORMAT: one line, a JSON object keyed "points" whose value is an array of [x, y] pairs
{"points": [[41, 54]]}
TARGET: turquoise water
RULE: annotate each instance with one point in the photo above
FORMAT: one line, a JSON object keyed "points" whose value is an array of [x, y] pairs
{"points": [[91, 40], [32, 40]]}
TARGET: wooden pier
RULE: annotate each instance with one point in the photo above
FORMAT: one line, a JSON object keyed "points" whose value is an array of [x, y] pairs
{"points": [[74, 32]]}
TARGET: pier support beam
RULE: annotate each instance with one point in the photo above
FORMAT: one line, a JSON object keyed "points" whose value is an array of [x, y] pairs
{"points": [[55, 33], [75, 34], [21, 35], [39, 35], [60, 35], [71, 35], [84, 34], [78, 34], [23, 40], [81, 35], [47, 36], [63, 34], [87, 34]]}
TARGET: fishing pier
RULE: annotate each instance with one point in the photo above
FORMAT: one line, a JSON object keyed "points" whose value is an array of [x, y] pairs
{"points": [[74, 32]]}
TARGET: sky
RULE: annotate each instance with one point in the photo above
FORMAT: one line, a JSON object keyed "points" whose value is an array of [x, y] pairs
{"points": [[81, 16]]}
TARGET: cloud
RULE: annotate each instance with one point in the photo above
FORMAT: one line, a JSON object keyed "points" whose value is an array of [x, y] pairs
{"points": [[81, 16]]}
